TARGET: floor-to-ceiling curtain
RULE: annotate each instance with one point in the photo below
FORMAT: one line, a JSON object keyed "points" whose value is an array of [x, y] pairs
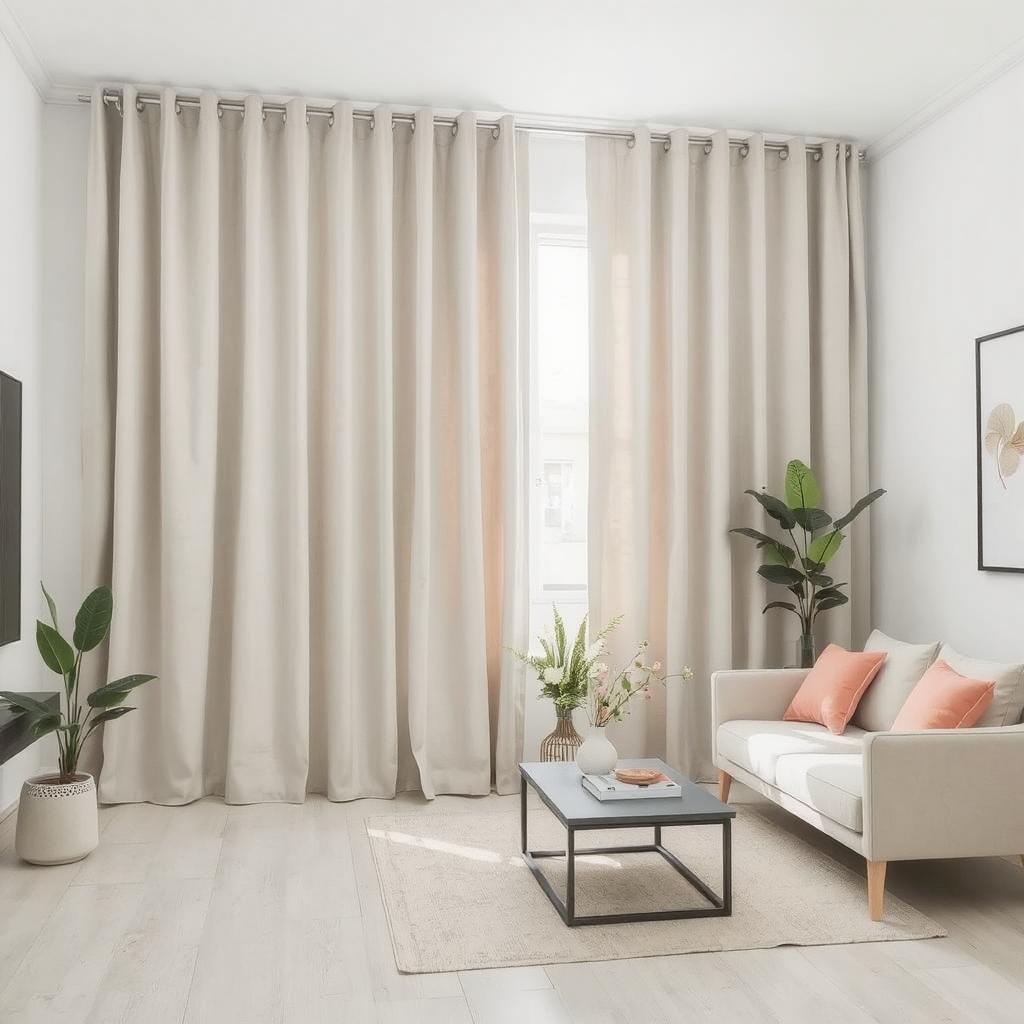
{"points": [[727, 336], [304, 448]]}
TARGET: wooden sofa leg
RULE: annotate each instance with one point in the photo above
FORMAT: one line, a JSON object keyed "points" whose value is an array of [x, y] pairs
{"points": [[724, 784], [876, 888]]}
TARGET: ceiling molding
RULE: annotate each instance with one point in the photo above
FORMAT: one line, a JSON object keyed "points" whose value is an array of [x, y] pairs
{"points": [[67, 95], [18, 41], [989, 72]]}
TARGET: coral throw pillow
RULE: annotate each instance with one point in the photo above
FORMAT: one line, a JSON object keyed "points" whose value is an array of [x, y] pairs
{"points": [[944, 699], [830, 693]]}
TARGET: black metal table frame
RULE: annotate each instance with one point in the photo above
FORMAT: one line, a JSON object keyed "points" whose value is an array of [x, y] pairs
{"points": [[721, 906]]}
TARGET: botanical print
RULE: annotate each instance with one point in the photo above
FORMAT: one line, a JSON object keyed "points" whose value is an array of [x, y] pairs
{"points": [[1004, 440], [1000, 441]]}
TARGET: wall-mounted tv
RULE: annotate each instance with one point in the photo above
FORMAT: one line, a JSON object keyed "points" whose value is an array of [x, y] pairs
{"points": [[10, 509]]}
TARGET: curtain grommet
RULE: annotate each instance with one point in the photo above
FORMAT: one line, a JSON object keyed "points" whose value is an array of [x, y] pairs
{"points": [[817, 156], [496, 132], [455, 128], [744, 150], [666, 145], [220, 112], [284, 117], [139, 106], [372, 122], [707, 149], [177, 108], [631, 142], [784, 153], [330, 120]]}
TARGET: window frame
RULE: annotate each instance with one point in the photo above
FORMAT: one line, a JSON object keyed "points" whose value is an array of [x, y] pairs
{"points": [[570, 231]]}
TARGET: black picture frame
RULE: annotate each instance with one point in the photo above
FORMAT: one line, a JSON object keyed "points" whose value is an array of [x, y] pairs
{"points": [[10, 508], [978, 342]]}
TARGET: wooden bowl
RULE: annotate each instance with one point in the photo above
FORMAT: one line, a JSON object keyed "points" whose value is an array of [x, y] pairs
{"points": [[637, 776]]}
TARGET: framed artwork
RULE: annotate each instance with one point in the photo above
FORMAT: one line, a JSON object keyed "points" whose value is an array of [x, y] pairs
{"points": [[1000, 394]]}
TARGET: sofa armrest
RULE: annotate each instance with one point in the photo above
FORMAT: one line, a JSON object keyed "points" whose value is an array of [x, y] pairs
{"points": [[943, 793], [756, 694]]}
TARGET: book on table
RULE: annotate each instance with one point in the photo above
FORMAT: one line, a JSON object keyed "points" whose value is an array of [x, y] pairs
{"points": [[607, 787]]}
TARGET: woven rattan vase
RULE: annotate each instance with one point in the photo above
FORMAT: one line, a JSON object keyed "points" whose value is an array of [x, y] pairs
{"points": [[562, 744]]}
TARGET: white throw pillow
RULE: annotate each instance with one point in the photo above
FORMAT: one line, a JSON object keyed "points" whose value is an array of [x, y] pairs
{"points": [[903, 667], [1008, 700]]}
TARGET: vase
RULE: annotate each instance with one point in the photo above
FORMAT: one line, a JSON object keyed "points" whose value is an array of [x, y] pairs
{"points": [[57, 821], [597, 756], [806, 651], [562, 744]]}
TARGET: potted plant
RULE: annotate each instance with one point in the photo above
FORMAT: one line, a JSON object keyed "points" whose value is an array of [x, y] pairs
{"points": [[57, 814], [608, 700], [563, 671], [800, 566]]}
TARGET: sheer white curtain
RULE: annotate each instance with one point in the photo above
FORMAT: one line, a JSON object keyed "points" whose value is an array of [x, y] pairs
{"points": [[304, 449], [728, 336]]}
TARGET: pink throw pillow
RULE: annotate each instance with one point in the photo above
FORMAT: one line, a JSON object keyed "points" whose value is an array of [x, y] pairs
{"points": [[830, 693], [944, 699]]}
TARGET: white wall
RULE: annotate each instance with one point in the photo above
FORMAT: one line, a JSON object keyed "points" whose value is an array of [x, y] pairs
{"points": [[946, 265], [21, 166]]}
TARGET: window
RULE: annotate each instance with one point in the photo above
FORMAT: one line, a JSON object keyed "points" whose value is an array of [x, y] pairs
{"points": [[560, 400]]}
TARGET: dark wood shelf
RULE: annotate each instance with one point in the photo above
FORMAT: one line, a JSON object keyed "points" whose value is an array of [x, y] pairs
{"points": [[15, 734]]}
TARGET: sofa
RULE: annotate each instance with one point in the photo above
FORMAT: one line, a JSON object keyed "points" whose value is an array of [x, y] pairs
{"points": [[888, 795]]}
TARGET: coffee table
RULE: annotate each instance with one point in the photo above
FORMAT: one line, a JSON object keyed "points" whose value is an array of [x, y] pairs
{"points": [[558, 785]]}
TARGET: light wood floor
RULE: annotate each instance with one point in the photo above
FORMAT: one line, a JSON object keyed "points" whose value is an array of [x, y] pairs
{"points": [[218, 914]]}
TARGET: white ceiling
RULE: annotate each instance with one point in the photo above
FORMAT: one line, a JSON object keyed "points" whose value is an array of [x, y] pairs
{"points": [[854, 68]]}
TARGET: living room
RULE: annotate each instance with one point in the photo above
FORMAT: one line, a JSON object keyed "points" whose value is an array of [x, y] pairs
{"points": [[511, 512]]}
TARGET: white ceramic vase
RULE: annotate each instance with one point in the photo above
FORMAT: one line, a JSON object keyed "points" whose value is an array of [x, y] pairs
{"points": [[57, 822], [596, 756]]}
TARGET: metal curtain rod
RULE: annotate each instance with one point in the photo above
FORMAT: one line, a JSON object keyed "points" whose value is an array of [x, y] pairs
{"points": [[114, 97]]}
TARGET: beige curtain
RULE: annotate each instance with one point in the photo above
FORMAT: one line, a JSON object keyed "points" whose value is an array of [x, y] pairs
{"points": [[304, 449], [728, 336]]}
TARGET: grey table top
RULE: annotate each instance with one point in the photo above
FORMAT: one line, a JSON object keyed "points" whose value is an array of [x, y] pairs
{"points": [[559, 786]]}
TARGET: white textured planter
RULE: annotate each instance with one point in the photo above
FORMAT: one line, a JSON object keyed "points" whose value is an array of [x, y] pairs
{"points": [[57, 823], [597, 756]]}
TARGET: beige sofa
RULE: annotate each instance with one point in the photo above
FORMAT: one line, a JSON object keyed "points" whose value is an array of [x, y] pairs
{"points": [[889, 796]]}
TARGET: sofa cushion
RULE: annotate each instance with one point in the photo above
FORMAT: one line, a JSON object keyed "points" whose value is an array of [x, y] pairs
{"points": [[944, 699], [1008, 700], [833, 784], [757, 746], [833, 688], [888, 692]]}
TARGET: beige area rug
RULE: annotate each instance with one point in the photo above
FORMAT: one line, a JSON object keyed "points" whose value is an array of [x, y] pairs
{"points": [[459, 897]]}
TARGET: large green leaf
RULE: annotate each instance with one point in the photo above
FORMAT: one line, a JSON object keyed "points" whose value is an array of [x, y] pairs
{"points": [[56, 651], [777, 509], [51, 604], [93, 619], [762, 538], [778, 554], [45, 725], [781, 574], [25, 702], [830, 592], [823, 548], [812, 519], [819, 579], [859, 507], [832, 602], [802, 490], [788, 605], [108, 716], [113, 693]]}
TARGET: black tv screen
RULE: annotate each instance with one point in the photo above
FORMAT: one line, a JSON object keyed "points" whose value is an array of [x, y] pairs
{"points": [[10, 509]]}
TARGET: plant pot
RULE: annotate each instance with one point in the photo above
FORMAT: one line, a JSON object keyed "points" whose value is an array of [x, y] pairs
{"points": [[597, 756], [57, 821], [806, 651], [563, 742]]}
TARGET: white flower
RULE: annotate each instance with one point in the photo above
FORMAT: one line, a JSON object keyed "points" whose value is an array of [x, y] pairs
{"points": [[594, 650], [554, 675], [656, 667]]}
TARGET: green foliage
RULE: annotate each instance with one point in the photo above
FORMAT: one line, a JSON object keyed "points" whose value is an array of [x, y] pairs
{"points": [[564, 672], [800, 567], [73, 724]]}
